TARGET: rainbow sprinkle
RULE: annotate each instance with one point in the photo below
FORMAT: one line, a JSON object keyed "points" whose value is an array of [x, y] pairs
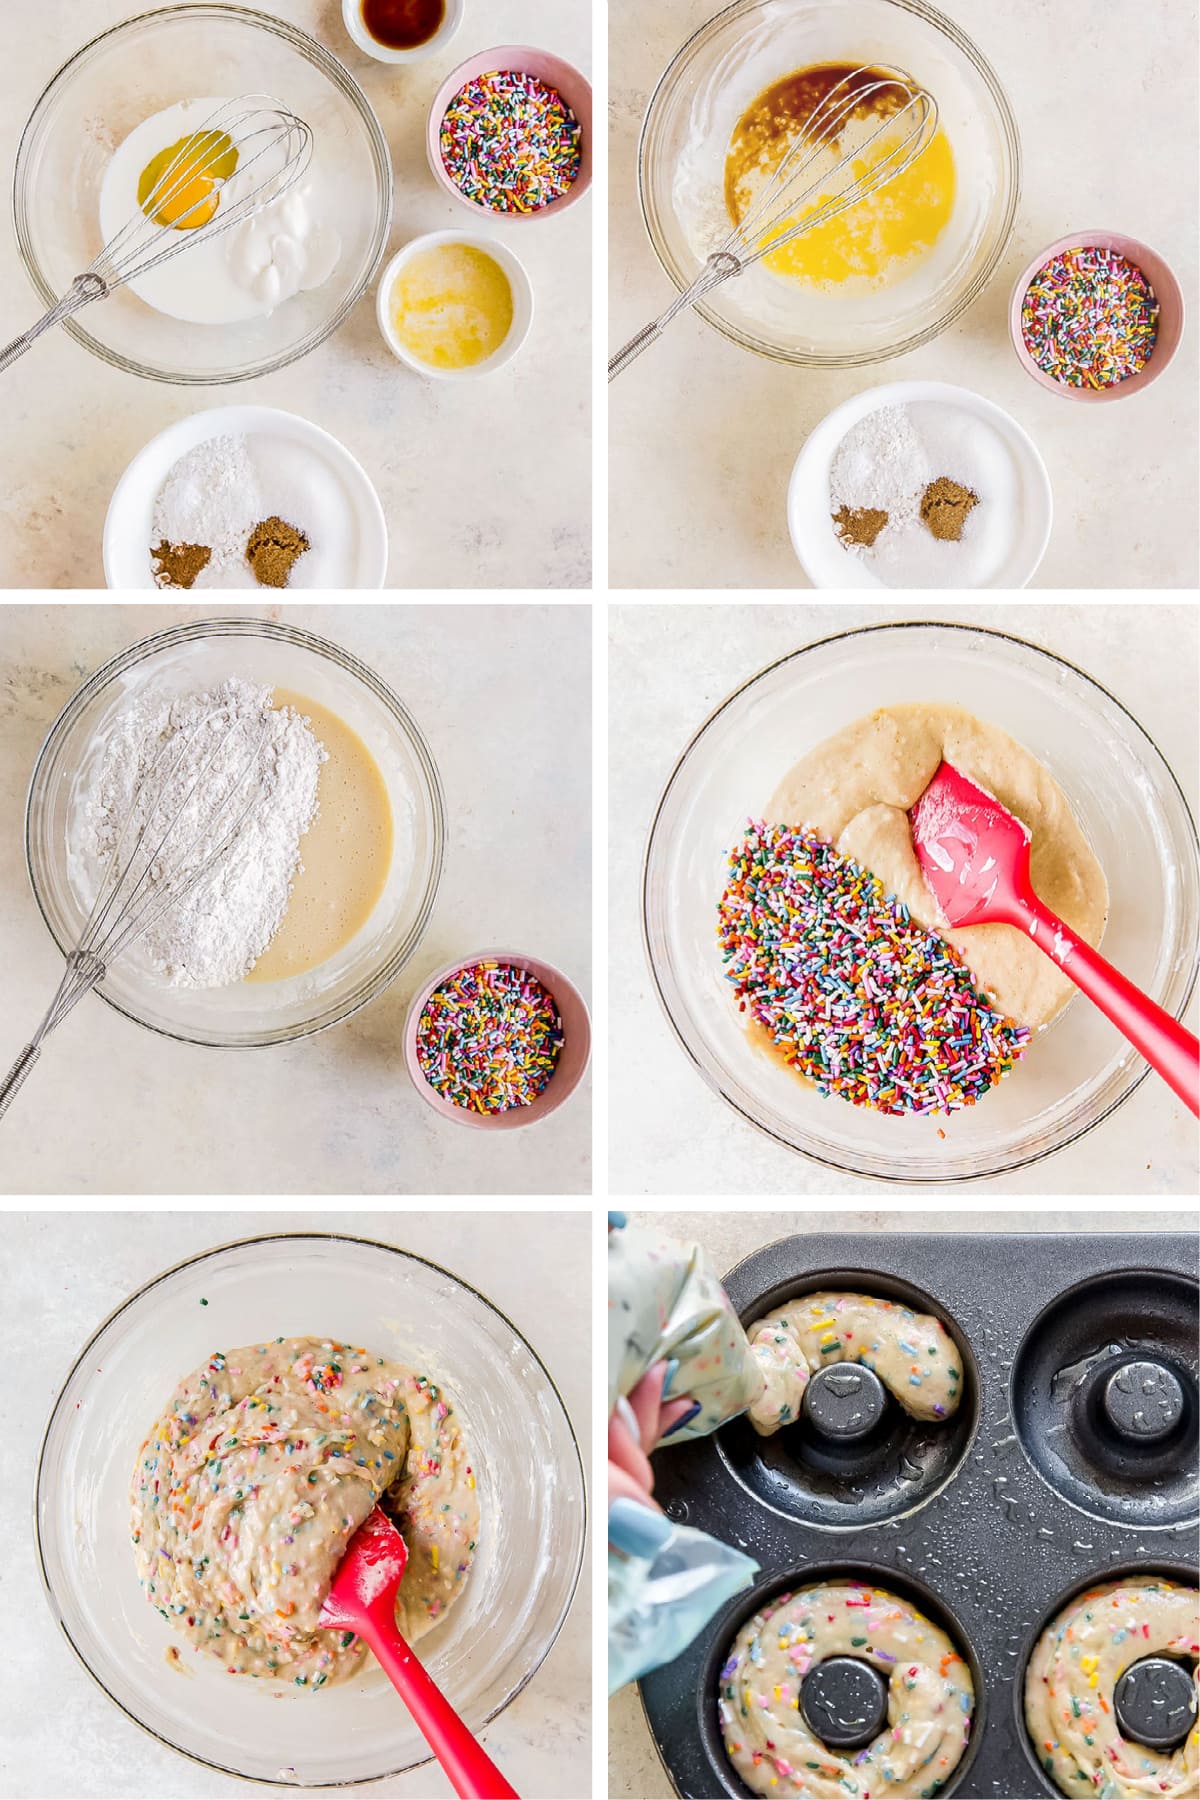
{"points": [[489, 1038], [511, 143], [1090, 318], [857, 997]]}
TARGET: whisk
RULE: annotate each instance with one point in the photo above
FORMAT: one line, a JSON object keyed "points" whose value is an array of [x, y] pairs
{"points": [[267, 137], [800, 178], [177, 839]]}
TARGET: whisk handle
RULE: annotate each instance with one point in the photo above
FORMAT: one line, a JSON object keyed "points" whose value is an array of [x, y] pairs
{"points": [[648, 335], [82, 292], [13, 1082], [721, 266]]}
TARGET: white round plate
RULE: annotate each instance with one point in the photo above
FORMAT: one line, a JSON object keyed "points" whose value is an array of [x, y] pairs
{"points": [[828, 564], [129, 526]]}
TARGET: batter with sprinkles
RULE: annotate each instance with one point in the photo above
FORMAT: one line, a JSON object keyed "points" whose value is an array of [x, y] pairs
{"points": [[261, 1468], [912, 1353], [1072, 1677], [511, 143], [835, 948], [930, 1696]]}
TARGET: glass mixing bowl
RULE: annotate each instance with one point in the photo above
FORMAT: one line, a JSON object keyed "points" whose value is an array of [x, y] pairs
{"points": [[1120, 789], [686, 134], [136, 70], [524, 1453], [188, 659]]}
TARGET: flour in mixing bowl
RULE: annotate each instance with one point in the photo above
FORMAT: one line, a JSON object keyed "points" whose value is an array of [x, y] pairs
{"points": [[229, 743]]}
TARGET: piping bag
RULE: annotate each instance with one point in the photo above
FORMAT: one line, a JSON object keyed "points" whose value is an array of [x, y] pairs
{"points": [[665, 1581]]}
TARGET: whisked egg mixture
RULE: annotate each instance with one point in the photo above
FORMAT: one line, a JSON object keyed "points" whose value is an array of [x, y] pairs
{"points": [[879, 270], [223, 278], [877, 241]]}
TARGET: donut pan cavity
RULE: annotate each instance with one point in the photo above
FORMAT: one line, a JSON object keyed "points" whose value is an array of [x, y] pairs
{"points": [[1072, 1460]]}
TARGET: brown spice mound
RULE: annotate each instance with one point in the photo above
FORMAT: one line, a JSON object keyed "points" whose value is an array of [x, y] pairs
{"points": [[177, 565], [274, 549], [860, 524], [944, 508]]}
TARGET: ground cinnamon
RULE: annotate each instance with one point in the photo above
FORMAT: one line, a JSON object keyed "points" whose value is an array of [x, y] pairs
{"points": [[859, 524], [944, 508], [274, 549], [178, 565]]}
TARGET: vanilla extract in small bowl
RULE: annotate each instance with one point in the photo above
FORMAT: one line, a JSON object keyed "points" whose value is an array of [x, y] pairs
{"points": [[399, 32]]}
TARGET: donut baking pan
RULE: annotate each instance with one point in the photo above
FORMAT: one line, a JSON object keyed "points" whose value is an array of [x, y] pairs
{"points": [[1072, 1459]]}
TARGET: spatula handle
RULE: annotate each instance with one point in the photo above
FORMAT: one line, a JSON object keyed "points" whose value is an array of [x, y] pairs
{"points": [[469, 1769], [1167, 1046]]}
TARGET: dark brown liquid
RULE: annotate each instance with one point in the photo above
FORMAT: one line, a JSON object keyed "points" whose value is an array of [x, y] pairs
{"points": [[403, 24], [773, 122]]}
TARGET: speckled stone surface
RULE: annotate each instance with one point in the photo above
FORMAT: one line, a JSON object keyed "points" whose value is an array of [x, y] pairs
{"points": [[63, 1273], [486, 484], [669, 666], [703, 434], [114, 1109], [634, 1769]]}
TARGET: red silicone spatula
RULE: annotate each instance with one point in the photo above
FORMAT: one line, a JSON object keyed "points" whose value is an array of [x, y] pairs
{"points": [[363, 1599], [975, 857]]}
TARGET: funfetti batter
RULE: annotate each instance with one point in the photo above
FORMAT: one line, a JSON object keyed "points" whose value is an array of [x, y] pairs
{"points": [[912, 1353], [1073, 1673], [856, 788], [930, 1697], [263, 1465]]}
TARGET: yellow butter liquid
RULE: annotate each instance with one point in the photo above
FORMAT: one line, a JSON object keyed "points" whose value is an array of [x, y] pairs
{"points": [[885, 235], [452, 306], [346, 852]]}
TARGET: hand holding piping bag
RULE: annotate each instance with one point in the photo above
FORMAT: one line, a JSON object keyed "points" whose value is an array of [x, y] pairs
{"points": [[679, 1366]]}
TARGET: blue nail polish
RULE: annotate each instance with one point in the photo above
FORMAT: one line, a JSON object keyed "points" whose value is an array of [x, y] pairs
{"points": [[668, 1378], [638, 1530], [616, 1221], [679, 1424]]}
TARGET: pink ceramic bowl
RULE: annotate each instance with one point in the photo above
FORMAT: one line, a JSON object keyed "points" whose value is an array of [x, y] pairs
{"points": [[1170, 312], [574, 88], [572, 1063]]}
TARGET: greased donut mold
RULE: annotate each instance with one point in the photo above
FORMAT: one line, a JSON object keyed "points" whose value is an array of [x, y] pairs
{"points": [[954, 1517]]}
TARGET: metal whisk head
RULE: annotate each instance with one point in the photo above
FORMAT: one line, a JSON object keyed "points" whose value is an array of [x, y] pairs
{"points": [[273, 148], [803, 174]]}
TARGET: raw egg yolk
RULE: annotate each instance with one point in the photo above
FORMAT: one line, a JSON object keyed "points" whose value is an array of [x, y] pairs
{"points": [[181, 185]]}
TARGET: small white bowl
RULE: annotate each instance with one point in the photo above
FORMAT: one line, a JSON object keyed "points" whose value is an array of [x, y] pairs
{"points": [[828, 564], [128, 529], [522, 293], [352, 14]]}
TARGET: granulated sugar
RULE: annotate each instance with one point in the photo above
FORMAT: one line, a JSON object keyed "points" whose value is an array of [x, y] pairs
{"points": [[887, 460]]}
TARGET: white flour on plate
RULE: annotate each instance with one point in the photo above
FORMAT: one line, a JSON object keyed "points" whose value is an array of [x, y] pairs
{"points": [[241, 778]]}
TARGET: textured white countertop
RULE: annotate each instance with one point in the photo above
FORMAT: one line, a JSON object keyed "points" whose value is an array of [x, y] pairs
{"points": [[485, 483], [669, 666], [704, 434], [63, 1273], [634, 1769], [503, 694]]}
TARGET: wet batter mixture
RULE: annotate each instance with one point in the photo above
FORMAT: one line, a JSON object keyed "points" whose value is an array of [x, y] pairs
{"points": [[347, 850], [1073, 1673], [856, 788], [912, 1353], [887, 233], [930, 1696], [259, 1471]]}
